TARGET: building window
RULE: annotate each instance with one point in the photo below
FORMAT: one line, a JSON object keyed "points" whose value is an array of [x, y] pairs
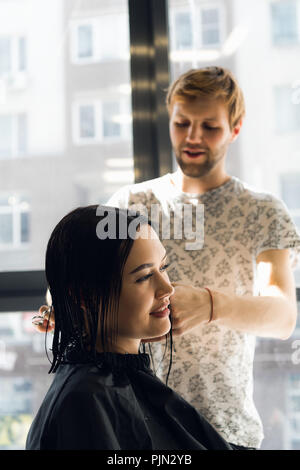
{"points": [[85, 41], [198, 28], [13, 55], [14, 221], [87, 122], [210, 26], [183, 28], [5, 56], [101, 120], [95, 39], [22, 59], [287, 113], [13, 135], [290, 192], [110, 113], [285, 19]]}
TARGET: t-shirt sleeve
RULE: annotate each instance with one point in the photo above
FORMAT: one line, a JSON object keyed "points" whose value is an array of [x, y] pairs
{"points": [[277, 229]]}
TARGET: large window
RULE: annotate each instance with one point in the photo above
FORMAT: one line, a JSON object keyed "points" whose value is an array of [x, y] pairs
{"points": [[55, 131], [75, 58], [266, 154]]}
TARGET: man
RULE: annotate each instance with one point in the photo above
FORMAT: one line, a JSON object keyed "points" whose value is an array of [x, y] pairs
{"points": [[244, 231]]}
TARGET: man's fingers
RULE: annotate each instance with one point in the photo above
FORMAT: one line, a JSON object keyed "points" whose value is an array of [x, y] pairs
{"points": [[44, 320], [43, 309]]}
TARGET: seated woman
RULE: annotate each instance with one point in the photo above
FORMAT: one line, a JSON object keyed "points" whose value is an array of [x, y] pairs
{"points": [[108, 294]]}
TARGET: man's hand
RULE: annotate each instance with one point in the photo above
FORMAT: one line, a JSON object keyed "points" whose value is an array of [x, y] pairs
{"points": [[190, 307], [44, 321]]}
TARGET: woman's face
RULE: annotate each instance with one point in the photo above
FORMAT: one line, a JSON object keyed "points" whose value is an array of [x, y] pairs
{"points": [[146, 289]]}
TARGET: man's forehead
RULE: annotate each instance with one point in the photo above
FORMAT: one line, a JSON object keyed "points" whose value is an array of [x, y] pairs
{"points": [[212, 108]]}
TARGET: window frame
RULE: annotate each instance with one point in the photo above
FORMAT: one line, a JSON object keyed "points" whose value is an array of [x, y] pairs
{"points": [[16, 212], [99, 137], [15, 133]]}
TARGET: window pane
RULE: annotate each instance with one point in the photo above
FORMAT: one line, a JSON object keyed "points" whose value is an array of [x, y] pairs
{"points": [[111, 127], [22, 54], [23, 377], [290, 190], [5, 136], [6, 228], [210, 37], [5, 56], [210, 27], [183, 28], [87, 121], [22, 134], [85, 41], [284, 22]]}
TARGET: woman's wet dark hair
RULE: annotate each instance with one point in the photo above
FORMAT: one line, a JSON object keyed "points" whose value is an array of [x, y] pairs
{"points": [[84, 275]]}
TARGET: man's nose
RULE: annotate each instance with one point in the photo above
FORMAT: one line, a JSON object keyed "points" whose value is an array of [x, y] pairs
{"points": [[195, 134]]}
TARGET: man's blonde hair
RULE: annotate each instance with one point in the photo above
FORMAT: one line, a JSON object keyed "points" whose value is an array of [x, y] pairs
{"points": [[210, 82]]}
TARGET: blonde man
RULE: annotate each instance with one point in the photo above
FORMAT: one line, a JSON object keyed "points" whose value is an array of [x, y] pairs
{"points": [[243, 229]]}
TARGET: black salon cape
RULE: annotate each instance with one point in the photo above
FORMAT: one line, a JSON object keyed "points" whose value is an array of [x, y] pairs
{"points": [[117, 404]]}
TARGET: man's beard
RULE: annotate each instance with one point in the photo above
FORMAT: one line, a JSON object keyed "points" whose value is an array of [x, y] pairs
{"points": [[202, 168]]}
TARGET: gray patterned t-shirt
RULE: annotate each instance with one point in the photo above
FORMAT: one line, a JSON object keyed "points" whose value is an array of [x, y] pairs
{"points": [[213, 365]]}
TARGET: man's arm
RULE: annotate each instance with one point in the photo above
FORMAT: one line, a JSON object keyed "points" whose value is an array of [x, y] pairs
{"points": [[272, 314]]}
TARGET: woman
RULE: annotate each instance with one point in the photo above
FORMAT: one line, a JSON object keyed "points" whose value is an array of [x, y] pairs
{"points": [[108, 294]]}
